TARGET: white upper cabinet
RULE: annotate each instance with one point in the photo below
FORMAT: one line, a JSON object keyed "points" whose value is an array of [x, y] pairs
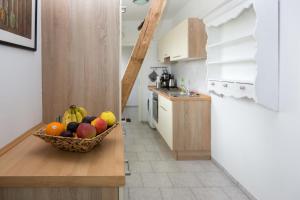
{"points": [[243, 51], [186, 41]]}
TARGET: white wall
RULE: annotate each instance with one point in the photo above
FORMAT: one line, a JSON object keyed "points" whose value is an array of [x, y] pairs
{"points": [[21, 90], [258, 147]]}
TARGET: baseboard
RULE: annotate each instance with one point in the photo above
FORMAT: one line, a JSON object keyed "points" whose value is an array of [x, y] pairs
{"points": [[240, 186], [19, 139]]}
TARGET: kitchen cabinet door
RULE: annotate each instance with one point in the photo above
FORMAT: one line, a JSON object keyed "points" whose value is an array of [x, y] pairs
{"points": [[179, 42], [186, 41], [165, 118]]}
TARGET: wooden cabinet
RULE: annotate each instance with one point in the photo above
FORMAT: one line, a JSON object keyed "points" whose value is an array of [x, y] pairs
{"points": [[186, 41], [80, 56], [184, 124]]}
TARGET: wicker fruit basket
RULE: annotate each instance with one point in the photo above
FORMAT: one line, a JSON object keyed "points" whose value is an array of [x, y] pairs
{"points": [[73, 144]]}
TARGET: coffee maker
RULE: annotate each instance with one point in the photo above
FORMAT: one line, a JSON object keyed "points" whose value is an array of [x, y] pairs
{"points": [[165, 79]]}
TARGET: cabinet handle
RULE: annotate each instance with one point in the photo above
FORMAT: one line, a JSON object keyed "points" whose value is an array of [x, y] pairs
{"points": [[163, 108], [177, 56], [242, 87], [128, 172], [225, 85]]}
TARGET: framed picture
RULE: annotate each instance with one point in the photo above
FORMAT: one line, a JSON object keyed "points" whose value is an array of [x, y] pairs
{"points": [[18, 21]]}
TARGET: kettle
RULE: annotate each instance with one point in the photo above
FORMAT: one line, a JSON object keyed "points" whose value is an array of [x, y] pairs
{"points": [[158, 84], [172, 82]]}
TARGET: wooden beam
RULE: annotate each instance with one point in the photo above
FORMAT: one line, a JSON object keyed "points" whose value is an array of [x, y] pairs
{"points": [[141, 47]]}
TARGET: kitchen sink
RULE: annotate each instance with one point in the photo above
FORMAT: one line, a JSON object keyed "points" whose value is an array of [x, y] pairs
{"points": [[182, 94]]}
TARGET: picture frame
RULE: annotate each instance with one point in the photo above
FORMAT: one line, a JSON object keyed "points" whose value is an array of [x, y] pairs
{"points": [[18, 23]]}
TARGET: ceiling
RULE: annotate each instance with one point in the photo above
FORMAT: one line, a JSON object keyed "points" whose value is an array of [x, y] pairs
{"points": [[138, 12]]}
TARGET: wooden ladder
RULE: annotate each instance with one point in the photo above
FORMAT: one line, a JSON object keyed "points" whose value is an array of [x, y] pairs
{"points": [[141, 47]]}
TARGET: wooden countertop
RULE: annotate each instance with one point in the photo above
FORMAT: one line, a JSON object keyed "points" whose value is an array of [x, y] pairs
{"points": [[201, 97], [34, 163]]}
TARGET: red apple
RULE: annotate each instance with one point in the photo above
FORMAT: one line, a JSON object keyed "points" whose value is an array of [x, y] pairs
{"points": [[100, 125], [86, 130]]}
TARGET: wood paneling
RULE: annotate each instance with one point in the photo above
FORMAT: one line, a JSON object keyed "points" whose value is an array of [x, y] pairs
{"points": [[34, 163], [59, 193], [191, 125], [141, 47], [197, 39], [80, 47]]}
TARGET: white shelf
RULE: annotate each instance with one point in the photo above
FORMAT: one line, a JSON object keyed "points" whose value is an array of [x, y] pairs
{"points": [[231, 41], [236, 60], [232, 81], [243, 51]]}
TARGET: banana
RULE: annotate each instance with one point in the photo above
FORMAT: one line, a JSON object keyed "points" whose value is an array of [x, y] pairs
{"points": [[74, 114], [78, 115], [67, 117], [83, 111]]}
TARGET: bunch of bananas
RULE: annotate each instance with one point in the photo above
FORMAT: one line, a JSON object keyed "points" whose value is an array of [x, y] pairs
{"points": [[74, 114]]}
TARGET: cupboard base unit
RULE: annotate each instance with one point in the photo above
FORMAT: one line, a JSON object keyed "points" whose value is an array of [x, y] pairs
{"points": [[185, 125], [191, 129], [59, 193]]}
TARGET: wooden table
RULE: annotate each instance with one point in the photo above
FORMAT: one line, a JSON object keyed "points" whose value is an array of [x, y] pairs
{"points": [[35, 170]]}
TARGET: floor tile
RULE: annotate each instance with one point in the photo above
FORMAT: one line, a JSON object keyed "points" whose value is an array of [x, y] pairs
{"points": [[166, 155], [126, 193], [177, 194], [148, 156], [164, 166], [156, 180], [131, 156], [184, 180], [235, 193], [152, 148], [134, 180], [209, 166], [144, 194], [189, 166], [214, 179], [147, 141], [209, 194], [140, 166], [135, 148]]}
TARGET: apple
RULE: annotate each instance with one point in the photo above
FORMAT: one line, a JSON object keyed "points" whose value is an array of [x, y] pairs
{"points": [[100, 125], [86, 130]]}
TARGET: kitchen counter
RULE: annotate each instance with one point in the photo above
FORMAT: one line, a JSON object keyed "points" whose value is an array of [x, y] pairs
{"points": [[197, 97], [184, 122], [34, 163]]}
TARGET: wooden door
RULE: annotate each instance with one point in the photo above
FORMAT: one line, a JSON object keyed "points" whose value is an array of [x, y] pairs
{"points": [[80, 45]]}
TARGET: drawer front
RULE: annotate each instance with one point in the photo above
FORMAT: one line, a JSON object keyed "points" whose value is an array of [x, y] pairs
{"points": [[245, 90], [165, 103], [165, 118]]}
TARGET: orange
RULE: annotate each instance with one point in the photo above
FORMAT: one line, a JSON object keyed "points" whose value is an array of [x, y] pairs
{"points": [[55, 128]]}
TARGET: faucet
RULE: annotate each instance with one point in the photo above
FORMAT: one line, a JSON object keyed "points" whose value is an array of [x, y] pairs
{"points": [[184, 88]]}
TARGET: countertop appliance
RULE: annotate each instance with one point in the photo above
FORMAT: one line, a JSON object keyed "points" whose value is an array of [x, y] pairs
{"points": [[155, 106], [172, 82], [164, 79], [150, 110]]}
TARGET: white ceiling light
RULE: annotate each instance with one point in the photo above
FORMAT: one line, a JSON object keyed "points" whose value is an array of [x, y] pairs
{"points": [[140, 2]]}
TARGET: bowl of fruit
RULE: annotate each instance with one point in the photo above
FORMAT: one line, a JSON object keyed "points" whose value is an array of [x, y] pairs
{"points": [[78, 132]]}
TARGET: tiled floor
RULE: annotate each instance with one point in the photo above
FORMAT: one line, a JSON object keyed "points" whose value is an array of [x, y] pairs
{"points": [[157, 176]]}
